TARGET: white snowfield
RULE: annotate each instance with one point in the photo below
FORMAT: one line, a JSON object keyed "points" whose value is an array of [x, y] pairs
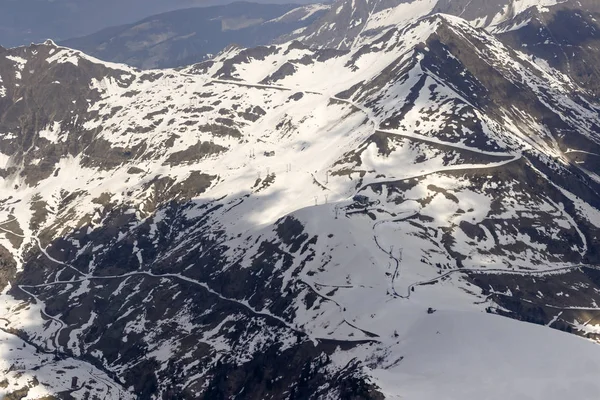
{"points": [[463, 355], [305, 155]]}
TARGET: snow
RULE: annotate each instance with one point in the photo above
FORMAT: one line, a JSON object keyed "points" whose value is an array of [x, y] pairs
{"points": [[400, 14], [460, 355], [64, 55], [514, 27], [314, 8], [306, 11], [52, 133], [22, 365], [517, 7], [4, 159], [2, 88], [364, 266], [20, 61], [521, 5]]}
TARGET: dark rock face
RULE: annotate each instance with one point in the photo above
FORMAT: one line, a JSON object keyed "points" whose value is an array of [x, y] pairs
{"points": [[8, 267], [566, 38]]}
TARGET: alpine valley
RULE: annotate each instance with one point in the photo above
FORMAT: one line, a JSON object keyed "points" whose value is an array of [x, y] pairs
{"points": [[400, 200]]}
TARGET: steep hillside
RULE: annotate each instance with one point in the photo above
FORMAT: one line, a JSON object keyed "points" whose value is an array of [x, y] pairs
{"points": [[297, 222], [351, 21], [565, 36]]}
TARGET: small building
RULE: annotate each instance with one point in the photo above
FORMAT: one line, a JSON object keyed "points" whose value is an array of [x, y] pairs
{"points": [[74, 382], [269, 153], [361, 199]]}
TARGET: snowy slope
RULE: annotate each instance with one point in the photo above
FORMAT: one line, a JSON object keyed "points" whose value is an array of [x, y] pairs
{"points": [[458, 355], [351, 22]]}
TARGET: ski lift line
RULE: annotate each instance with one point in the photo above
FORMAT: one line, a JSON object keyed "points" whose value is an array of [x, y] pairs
{"points": [[414, 136], [371, 118], [376, 128]]}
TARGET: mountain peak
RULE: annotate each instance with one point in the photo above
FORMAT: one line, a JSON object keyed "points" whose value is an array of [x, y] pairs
{"points": [[50, 42], [362, 19]]}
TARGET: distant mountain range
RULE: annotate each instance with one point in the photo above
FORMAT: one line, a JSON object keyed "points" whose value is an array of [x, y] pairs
{"points": [[25, 21], [32, 21], [188, 36]]}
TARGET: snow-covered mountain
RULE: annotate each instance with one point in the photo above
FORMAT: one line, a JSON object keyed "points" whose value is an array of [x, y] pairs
{"points": [[306, 220]]}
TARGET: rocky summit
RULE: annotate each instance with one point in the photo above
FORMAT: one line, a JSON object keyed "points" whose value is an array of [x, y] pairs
{"points": [[400, 200]]}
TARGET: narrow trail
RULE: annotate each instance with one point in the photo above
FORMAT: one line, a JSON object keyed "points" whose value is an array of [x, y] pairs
{"points": [[253, 85], [396, 276], [244, 304], [54, 260], [7, 222], [434, 140], [109, 384], [512, 157], [581, 151], [482, 271], [568, 308], [12, 233], [376, 127], [395, 260], [373, 120], [343, 312], [87, 277], [450, 168], [61, 325]]}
